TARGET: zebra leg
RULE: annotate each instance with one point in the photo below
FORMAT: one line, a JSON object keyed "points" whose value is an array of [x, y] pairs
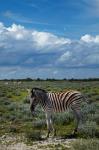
{"points": [[49, 123], [77, 114], [52, 126], [48, 126]]}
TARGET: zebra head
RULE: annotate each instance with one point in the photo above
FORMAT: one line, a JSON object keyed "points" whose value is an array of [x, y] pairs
{"points": [[36, 96], [34, 100]]}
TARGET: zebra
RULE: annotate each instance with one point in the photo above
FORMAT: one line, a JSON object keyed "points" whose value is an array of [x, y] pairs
{"points": [[56, 102]]}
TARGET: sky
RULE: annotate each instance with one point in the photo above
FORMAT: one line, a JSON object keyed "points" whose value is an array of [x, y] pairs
{"points": [[49, 39]]}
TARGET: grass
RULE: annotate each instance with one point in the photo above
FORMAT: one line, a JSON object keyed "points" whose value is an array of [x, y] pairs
{"points": [[89, 144], [35, 136], [15, 115]]}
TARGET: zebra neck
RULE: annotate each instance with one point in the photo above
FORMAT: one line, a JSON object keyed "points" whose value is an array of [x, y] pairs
{"points": [[45, 104]]}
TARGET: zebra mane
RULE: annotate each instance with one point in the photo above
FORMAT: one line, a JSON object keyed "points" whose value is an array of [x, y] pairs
{"points": [[38, 89]]}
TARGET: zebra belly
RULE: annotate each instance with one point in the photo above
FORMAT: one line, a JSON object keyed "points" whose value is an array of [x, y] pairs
{"points": [[58, 111]]}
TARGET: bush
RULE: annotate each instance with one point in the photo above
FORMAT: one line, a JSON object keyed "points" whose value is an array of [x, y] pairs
{"points": [[96, 118], [12, 107], [4, 101], [89, 129], [89, 144], [17, 93], [7, 102], [89, 108], [39, 124], [33, 136], [63, 118], [9, 96], [26, 100], [12, 129], [12, 117]]}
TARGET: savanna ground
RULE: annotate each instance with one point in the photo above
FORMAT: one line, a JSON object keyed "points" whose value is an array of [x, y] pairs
{"points": [[19, 130]]}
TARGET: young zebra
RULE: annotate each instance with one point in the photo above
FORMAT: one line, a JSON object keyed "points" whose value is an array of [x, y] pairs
{"points": [[56, 102]]}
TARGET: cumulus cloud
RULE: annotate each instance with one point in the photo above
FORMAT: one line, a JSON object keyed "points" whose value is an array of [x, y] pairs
{"points": [[43, 39], [90, 39], [64, 57], [31, 52], [32, 38]]}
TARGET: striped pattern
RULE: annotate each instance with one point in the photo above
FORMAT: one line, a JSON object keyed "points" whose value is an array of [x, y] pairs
{"points": [[57, 102], [60, 102]]}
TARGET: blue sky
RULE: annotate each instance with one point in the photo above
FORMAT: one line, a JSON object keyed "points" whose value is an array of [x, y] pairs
{"points": [[49, 38]]}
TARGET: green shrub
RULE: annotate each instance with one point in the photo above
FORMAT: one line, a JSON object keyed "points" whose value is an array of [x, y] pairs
{"points": [[26, 100], [39, 124], [4, 101], [12, 117], [17, 93], [33, 136], [9, 95], [89, 129], [12, 107], [12, 129], [7, 102], [2, 94], [63, 118], [96, 118], [89, 144], [88, 111]]}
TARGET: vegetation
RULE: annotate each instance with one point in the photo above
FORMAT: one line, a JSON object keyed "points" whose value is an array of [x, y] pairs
{"points": [[15, 116], [89, 144]]}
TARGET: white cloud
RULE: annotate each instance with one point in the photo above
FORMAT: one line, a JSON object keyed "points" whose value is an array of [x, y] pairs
{"points": [[66, 56], [17, 31], [90, 39], [2, 28], [43, 39], [92, 59], [25, 48], [18, 37]]}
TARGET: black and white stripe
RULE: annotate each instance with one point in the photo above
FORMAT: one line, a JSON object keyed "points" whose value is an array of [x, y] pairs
{"points": [[57, 102], [60, 102]]}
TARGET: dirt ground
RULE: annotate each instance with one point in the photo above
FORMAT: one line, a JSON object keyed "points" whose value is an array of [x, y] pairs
{"points": [[15, 143]]}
